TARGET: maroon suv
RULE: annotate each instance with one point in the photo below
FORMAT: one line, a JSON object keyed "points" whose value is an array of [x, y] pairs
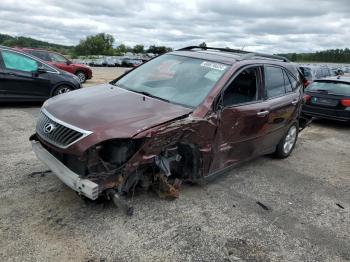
{"points": [[83, 72], [184, 116]]}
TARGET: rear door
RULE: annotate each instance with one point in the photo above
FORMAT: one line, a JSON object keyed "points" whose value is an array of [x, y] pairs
{"points": [[282, 100], [243, 119], [20, 77]]}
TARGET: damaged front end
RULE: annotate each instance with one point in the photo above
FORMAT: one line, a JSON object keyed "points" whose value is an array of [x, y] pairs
{"points": [[158, 159]]}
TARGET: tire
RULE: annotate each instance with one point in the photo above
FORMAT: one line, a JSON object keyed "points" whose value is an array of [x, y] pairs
{"points": [[286, 145], [61, 90], [81, 75]]}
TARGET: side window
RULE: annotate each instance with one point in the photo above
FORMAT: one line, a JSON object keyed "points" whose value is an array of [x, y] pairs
{"points": [[293, 81], [274, 82], [243, 89], [287, 82], [16, 61], [42, 55], [58, 58]]}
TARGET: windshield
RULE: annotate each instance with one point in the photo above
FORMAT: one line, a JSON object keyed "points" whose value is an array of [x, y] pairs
{"points": [[336, 88], [176, 79]]}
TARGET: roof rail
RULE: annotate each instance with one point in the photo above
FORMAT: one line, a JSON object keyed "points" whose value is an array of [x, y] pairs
{"points": [[187, 48], [245, 55], [258, 55]]}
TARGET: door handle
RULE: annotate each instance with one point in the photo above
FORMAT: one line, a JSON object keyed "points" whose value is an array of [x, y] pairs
{"points": [[294, 102], [263, 113]]}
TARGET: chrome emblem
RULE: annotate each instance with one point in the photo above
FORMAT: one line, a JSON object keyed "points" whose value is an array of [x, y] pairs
{"points": [[48, 128]]}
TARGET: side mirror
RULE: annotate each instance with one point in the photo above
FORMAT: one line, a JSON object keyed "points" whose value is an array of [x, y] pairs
{"points": [[68, 62]]}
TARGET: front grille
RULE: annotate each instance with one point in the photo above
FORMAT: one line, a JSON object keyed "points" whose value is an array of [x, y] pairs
{"points": [[57, 132]]}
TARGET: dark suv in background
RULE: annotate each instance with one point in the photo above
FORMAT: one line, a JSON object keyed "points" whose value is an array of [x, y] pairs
{"points": [[83, 72], [27, 78], [187, 115], [328, 98]]}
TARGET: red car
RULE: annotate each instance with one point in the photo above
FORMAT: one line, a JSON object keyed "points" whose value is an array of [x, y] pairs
{"points": [[58, 60]]}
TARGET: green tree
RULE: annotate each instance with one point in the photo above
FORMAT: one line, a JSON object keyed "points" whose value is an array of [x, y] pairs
{"points": [[139, 49], [100, 44], [203, 45], [294, 57], [158, 49], [121, 49]]}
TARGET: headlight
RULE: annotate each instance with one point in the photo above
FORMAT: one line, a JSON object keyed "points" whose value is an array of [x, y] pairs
{"points": [[119, 151]]}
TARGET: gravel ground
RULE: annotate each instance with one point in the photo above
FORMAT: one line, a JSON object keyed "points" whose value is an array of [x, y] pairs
{"points": [[104, 74], [304, 213]]}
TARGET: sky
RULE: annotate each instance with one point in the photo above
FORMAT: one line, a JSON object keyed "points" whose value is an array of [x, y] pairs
{"points": [[270, 26]]}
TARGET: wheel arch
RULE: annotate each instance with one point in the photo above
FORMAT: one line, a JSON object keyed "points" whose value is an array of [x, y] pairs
{"points": [[53, 89]]}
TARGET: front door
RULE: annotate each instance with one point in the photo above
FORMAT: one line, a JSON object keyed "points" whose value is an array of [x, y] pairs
{"points": [[243, 119], [20, 77]]}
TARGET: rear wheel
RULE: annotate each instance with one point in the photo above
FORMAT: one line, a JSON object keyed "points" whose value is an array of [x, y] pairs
{"points": [[81, 75], [61, 90], [287, 143]]}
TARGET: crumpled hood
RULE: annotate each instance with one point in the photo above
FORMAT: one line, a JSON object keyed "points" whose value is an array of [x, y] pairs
{"points": [[111, 112]]}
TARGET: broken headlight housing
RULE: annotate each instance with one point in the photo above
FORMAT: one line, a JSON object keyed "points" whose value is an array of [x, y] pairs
{"points": [[117, 152]]}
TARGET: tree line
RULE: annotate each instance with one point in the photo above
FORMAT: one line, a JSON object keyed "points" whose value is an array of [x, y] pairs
{"points": [[99, 44], [331, 55], [21, 41], [103, 44]]}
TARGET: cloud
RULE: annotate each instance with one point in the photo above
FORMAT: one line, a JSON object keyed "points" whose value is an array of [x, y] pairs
{"points": [[268, 26]]}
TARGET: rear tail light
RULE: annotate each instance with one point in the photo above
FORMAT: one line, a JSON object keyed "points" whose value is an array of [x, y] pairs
{"points": [[306, 83], [306, 98], [345, 102]]}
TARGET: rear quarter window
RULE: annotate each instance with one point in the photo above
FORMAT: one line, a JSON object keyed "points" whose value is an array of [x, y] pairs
{"points": [[274, 82], [294, 82]]}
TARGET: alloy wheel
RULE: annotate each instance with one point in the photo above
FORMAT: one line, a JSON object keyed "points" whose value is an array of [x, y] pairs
{"points": [[63, 90], [81, 77], [290, 139]]}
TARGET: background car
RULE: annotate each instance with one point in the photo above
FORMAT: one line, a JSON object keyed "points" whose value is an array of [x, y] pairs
{"points": [[117, 62], [27, 78], [127, 62], [328, 98], [83, 72], [112, 62], [97, 62], [322, 72]]}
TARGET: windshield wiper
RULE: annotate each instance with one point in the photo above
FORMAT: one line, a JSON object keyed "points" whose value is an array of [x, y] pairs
{"points": [[150, 95], [141, 92]]}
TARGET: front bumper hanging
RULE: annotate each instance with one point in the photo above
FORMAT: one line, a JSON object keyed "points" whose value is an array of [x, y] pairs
{"points": [[84, 187]]}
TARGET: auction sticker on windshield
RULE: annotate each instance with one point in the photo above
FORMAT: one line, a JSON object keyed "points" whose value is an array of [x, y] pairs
{"points": [[212, 65]]}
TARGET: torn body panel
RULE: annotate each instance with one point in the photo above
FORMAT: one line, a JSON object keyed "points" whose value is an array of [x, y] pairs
{"points": [[159, 158]]}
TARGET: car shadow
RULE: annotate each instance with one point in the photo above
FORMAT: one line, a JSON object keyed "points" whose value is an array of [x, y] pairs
{"points": [[331, 123], [6, 105]]}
